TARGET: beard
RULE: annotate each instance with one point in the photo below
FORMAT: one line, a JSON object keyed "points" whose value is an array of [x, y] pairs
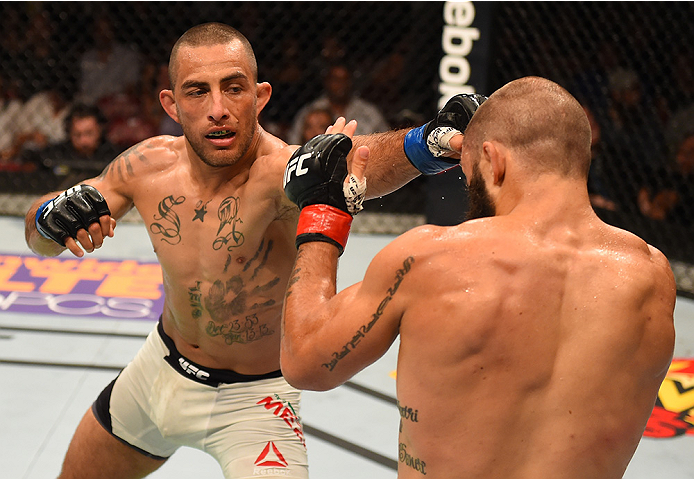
{"points": [[219, 158], [481, 204]]}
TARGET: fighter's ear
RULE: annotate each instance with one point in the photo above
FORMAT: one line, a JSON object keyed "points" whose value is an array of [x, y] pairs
{"points": [[495, 154], [263, 94], [168, 102]]}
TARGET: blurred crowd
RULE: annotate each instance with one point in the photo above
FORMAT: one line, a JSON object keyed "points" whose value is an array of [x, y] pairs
{"points": [[68, 107]]}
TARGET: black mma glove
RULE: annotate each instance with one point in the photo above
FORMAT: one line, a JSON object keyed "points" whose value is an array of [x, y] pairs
{"points": [[426, 145], [314, 180], [73, 210]]}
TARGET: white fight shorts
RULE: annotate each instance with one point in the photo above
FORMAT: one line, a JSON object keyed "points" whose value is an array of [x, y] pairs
{"points": [[161, 401]]}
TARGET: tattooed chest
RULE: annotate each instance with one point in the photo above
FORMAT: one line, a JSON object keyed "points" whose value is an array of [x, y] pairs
{"points": [[217, 262], [178, 220]]}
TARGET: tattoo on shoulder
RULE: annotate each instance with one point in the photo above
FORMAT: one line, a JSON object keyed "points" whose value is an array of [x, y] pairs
{"points": [[122, 165], [167, 223], [363, 330]]}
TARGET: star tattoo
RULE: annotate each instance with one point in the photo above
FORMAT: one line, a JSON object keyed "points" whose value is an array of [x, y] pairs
{"points": [[200, 211]]}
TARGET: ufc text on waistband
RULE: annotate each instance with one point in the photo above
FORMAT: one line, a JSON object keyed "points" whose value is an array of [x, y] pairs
{"points": [[204, 375]]}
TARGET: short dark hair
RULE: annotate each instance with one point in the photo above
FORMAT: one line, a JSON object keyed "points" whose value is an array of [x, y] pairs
{"points": [[82, 110], [538, 118], [212, 33]]}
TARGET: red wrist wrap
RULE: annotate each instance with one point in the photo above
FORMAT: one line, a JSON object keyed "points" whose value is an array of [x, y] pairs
{"points": [[323, 223]]}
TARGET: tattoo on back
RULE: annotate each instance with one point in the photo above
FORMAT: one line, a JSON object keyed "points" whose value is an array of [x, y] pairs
{"points": [[407, 414], [413, 462], [169, 224], [363, 330]]}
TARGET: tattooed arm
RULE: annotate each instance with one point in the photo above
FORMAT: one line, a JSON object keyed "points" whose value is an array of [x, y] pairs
{"points": [[389, 168], [115, 184], [329, 337]]}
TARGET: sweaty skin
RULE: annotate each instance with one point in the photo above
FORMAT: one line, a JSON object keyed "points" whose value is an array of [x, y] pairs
{"points": [[532, 343], [215, 210], [220, 224]]}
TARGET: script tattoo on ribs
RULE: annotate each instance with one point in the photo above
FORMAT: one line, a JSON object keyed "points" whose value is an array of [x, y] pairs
{"points": [[363, 330], [170, 226]]}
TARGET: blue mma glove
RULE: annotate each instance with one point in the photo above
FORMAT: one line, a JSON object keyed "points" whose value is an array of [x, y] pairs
{"points": [[426, 145]]}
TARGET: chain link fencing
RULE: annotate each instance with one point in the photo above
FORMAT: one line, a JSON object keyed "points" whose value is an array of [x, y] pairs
{"points": [[631, 64]]}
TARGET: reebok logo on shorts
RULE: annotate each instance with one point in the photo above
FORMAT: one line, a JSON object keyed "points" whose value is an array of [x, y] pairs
{"points": [[271, 457], [271, 462]]}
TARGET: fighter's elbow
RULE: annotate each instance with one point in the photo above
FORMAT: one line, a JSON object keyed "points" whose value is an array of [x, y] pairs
{"points": [[301, 374], [304, 382]]}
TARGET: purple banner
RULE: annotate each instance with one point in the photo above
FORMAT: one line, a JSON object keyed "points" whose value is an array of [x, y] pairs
{"points": [[125, 289]]}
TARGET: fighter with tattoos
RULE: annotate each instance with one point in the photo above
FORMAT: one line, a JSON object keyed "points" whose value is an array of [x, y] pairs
{"points": [[223, 230], [533, 337]]}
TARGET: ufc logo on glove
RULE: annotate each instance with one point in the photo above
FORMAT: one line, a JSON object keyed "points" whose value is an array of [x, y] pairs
{"points": [[296, 165]]}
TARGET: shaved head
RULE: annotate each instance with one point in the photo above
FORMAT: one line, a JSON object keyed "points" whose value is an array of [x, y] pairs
{"points": [[208, 34], [539, 121]]}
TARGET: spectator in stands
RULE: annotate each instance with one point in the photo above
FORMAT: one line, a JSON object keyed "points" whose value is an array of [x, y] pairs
{"points": [[39, 123], [387, 84], [633, 136], [109, 68], [11, 105], [600, 195], [129, 122], [339, 98], [681, 81], [293, 85], [41, 65], [31, 59], [150, 99], [138, 115], [86, 152], [673, 199], [315, 123]]}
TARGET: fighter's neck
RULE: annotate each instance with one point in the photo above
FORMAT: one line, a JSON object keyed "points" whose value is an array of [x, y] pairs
{"points": [[545, 197], [211, 177]]}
